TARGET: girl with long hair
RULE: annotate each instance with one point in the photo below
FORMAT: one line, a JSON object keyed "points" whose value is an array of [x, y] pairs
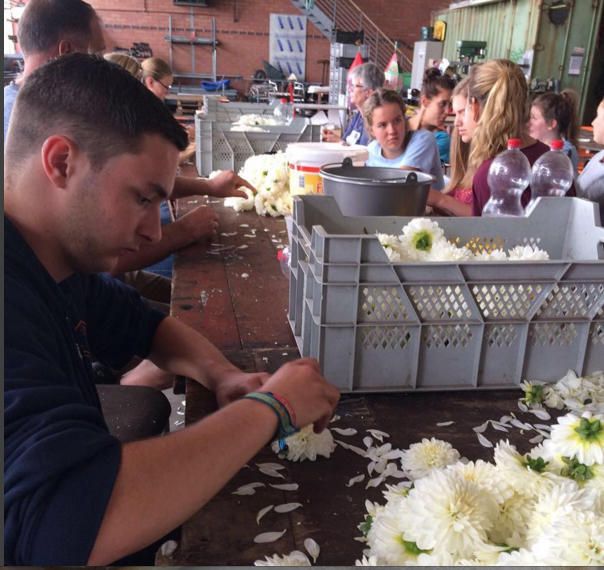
{"points": [[497, 111]]}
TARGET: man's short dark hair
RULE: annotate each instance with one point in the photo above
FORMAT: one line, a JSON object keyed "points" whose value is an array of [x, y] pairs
{"points": [[45, 22], [95, 103]]}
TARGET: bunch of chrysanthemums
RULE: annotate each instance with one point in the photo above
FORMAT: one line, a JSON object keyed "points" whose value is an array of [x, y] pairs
{"points": [[269, 174], [424, 240], [545, 507]]}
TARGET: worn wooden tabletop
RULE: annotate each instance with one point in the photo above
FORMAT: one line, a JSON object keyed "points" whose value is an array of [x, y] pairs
{"points": [[237, 296]]}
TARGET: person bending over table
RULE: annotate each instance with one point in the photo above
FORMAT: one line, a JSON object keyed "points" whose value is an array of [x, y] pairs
{"points": [[591, 180], [90, 155]]}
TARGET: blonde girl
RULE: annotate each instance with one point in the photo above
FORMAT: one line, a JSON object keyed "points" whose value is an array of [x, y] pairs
{"points": [[497, 110], [456, 199], [130, 64], [157, 76]]}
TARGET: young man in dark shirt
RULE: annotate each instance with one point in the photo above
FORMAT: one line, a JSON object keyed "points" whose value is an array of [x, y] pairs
{"points": [[90, 155]]}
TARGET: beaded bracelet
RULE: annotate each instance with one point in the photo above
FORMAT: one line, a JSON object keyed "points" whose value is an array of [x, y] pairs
{"points": [[284, 413]]}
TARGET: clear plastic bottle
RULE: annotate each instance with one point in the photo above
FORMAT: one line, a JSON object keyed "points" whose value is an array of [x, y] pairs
{"points": [[509, 175], [283, 258], [552, 173], [283, 111]]}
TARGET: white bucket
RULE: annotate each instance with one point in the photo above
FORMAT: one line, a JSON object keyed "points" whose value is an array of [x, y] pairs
{"points": [[306, 159]]}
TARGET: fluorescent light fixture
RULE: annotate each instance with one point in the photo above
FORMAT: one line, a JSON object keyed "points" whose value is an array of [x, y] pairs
{"points": [[471, 3]]}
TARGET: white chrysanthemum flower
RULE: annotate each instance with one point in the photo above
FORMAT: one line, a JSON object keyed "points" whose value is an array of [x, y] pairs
{"points": [[386, 539], [522, 557], [552, 398], [445, 512], [554, 503], [486, 476], [596, 483], [398, 492], [295, 558], [418, 238], [514, 514], [391, 245], [576, 539], [515, 469], [527, 253], [306, 444], [444, 250], [580, 437], [421, 458], [534, 393], [367, 561], [241, 204], [493, 255]]}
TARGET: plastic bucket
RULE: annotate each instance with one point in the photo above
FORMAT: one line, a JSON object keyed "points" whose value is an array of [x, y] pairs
{"points": [[306, 159], [376, 191]]}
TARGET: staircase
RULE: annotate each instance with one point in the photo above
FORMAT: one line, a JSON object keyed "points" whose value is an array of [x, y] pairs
{"points": [[345, 15]]}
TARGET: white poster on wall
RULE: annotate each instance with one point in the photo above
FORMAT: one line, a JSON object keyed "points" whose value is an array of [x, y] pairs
{"points": [[287, 44]]}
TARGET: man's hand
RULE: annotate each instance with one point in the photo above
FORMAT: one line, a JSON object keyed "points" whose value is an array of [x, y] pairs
{"points": [[237, 384], [202, 222], [328, 135], [312, 398], [226, 184]]}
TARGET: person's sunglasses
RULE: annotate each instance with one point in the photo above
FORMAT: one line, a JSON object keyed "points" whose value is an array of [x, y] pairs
{"points": [[168, 87]]}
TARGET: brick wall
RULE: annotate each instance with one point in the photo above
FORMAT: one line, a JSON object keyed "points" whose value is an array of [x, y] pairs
{"points": [[242, 28]]}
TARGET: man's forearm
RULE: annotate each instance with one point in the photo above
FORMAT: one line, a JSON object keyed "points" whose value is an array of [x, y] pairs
{"points": [[179, 349], [184, 187], [163, 481]]}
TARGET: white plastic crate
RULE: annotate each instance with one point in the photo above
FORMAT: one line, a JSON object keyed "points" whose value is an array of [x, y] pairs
{"points": [[378, 326], [216, 110], [221, 148]]}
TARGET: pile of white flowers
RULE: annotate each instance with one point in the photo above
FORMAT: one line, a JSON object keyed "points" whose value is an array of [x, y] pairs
{"points": [[544, 507], [253, 122], [578, 394], [269, 174], [424, 240]]}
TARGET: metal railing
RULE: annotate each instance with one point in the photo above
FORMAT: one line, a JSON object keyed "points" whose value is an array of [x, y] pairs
{"points": [[347, 16]]}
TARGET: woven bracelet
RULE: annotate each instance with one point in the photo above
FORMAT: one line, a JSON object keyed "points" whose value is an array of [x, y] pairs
{"points": [[285, 427]]}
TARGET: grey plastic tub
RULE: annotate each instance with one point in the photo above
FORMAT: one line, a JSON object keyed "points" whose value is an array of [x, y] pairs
{"points": [[376, 191], [377, 326]]}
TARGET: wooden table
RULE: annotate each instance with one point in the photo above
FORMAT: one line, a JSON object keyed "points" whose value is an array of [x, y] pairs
{"points": [[246, 317]]}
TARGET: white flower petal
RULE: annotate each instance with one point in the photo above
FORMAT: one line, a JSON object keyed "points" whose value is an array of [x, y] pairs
{"points": [[268, 536], [262, 512], [445, 424], [285, 486], [353, 448], [482, 427], [344, 431], [353, 480], [249, 489], [272, 466], [483, 440], [287, 507], [378, 434], [312, 548]]}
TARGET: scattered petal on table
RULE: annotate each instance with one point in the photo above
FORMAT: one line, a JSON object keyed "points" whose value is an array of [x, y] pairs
{"points": [[482, 427], [287, 507], [268, 537], [445, 424], [312, 548], [541, 414], [344, 431], [353, 448], [262, 512], [499, 426], [248, 489], [367, 441], [273, 466], [537, 439], [168, 547], [522, 406], [285, 486], [378, 434], [334, 419], [483, 440], [353, 480]]}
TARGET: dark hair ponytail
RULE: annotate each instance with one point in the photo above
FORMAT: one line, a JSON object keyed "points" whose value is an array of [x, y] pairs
{"points": [[561, 107], [434, 82]]}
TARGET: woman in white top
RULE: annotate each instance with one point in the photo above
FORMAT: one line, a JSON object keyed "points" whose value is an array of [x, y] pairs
{"points": [[395, 146], [591, 180]]}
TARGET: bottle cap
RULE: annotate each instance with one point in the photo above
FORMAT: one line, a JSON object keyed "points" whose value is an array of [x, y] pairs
{"points": [[514, 143], [557, 144]]}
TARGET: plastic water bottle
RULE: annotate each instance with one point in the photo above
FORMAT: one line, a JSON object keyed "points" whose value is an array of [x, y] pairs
{"points": [[509, 175], [552, 173], [283, 258], [283, 111]]}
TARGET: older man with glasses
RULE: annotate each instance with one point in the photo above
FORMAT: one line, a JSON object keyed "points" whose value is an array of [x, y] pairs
{"points": [[364, 80]]}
